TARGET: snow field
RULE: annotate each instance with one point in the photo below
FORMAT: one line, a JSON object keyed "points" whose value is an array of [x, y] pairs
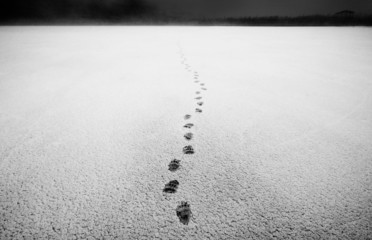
{"points": [[91, 117]]}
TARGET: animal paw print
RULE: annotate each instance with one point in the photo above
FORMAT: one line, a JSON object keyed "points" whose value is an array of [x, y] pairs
{"points": [[174, 165], [188, 136], [188, 150], [187, 116], [188, 125], [171, 187], [183, 211], [198, 110], [200, 103]]}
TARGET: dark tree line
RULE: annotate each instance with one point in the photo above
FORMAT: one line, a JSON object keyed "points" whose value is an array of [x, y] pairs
{"points": [[313, 20]]}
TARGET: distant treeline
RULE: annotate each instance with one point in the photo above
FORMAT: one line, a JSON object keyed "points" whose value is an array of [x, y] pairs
{"points": [[159, 20], [141, 12], [314, 20]]}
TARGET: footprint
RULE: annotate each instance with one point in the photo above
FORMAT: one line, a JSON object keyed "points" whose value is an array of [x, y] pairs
{"points": [[196, 81], [203, 88], [184, 212], [197, 92], [202, 84], [188, 150], [174, 165], [171, 187], [188, 136], [198, 110], [200, 103], [188, 125], [198, 98], [187, 116]]}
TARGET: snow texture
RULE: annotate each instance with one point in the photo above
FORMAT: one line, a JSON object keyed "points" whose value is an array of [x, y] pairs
{"points": [[90, 118]]}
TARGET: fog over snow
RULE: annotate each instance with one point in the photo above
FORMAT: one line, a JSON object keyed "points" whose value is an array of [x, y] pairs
{"points": [[90, 118]]}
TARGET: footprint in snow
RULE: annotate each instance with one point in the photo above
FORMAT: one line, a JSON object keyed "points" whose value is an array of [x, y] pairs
{"points": [[198, 110], [183, 211], [187, 116], [171, 187], [197, 92], [198, 98], [188, 136], [200, 103], [203, 88], [188, 125], [188, 150], [174, 165]]}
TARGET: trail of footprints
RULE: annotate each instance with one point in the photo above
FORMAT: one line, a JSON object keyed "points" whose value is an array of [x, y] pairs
{"points": [[183, 210]]}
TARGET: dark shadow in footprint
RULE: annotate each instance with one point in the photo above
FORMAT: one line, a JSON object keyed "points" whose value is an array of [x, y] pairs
{"points": [[198, 110], [188, 136], [188, 150], [202, 84], [171, 187], [188, 125], [184, 212], [174, 165], [187, 116], [197, 92], [200, 103], [203, 88], [198, 98]]}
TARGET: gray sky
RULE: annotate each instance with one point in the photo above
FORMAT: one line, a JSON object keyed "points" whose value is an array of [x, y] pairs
{"points": [[221, 8]]}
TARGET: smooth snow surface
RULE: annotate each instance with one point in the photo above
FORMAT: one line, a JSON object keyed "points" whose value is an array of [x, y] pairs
{"points": [[90, 118]]}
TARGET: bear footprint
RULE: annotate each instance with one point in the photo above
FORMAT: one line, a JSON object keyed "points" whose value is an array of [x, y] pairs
{"points": [[188, 125], [198, 110], [184, 212], [174, 165], [188, 150], [171, 187], [187, 116], [188, 136], [200, 103]]}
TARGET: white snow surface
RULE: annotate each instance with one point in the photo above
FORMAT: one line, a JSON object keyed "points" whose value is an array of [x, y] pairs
{"points": [[90, 117]]}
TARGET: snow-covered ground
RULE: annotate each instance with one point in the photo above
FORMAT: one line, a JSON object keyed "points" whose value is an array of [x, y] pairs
{"points": [[90, 118]]}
